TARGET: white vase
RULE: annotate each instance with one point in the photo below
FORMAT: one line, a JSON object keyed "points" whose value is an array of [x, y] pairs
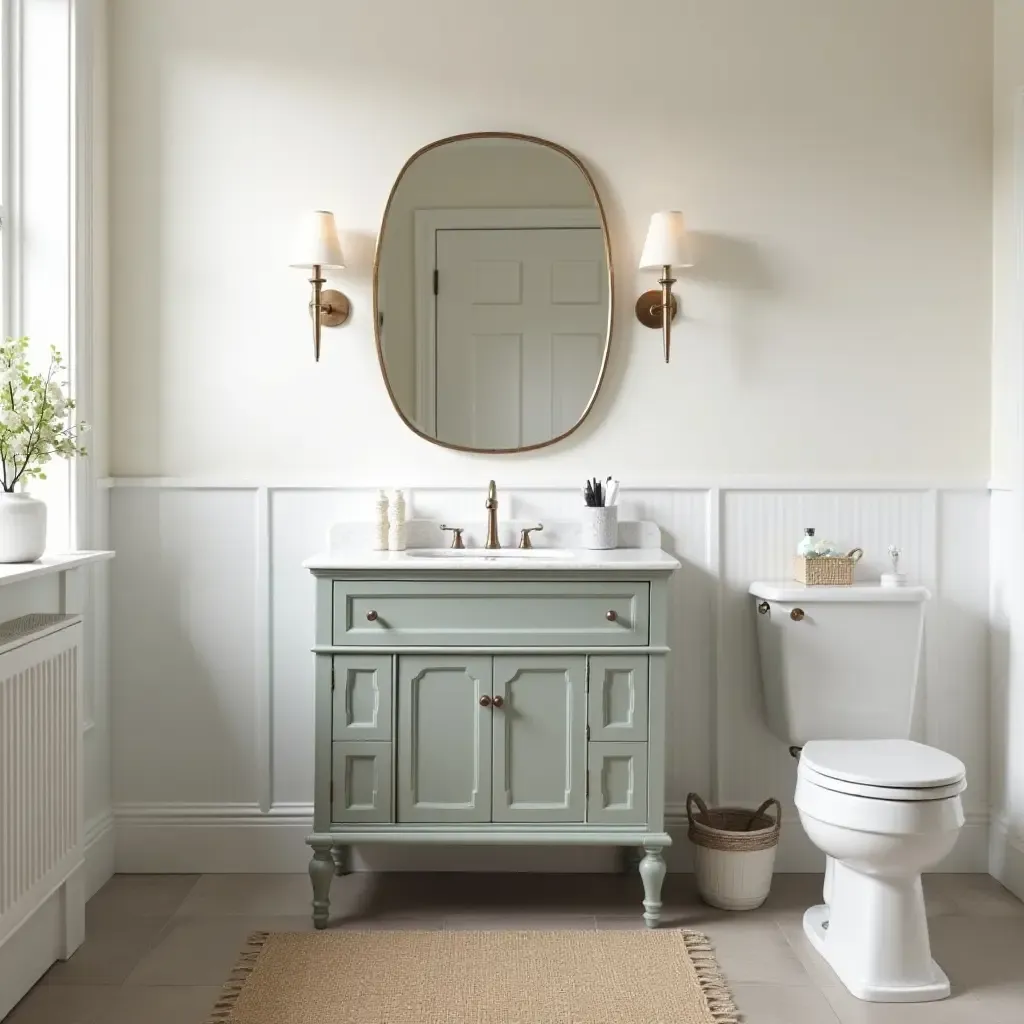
{"points": [[22, 527]]}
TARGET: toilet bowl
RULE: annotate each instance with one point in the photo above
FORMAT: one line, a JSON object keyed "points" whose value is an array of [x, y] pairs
{"points": [[882, 811]]}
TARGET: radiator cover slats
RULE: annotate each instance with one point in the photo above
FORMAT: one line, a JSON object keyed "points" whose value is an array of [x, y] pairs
{"points": [[40, 761]]}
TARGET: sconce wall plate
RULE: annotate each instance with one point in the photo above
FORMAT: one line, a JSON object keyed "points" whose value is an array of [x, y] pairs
{"points": [[648, 308], [334, 308]]}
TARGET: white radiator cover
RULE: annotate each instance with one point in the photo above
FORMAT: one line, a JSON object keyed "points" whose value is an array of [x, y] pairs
{"points": [[41, 828]]}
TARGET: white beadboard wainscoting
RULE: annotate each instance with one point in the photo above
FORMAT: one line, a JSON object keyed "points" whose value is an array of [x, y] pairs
{"points": [[212, 680]]}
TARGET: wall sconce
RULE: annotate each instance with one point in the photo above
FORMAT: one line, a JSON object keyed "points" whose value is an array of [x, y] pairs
{"points": [[667, 246], [319, 250]]}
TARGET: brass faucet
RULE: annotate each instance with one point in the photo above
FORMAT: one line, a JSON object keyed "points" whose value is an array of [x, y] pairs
{"points": [[492, 516]]}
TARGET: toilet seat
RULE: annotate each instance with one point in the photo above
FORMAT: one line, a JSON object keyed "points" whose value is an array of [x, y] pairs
{"points": [[899, 770]]}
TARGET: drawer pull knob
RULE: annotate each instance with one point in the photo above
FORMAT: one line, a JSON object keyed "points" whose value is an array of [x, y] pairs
{"points": [[796, 614], [611, 615], [485, 701], [499, 702], [371, 616]]}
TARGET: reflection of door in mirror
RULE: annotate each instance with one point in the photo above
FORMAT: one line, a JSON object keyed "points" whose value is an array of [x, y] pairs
{"points": [[520, 322], [492, 293]]}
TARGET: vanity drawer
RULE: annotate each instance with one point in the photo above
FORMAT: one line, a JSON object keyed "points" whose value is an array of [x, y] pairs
{"points": [[605, 613]]}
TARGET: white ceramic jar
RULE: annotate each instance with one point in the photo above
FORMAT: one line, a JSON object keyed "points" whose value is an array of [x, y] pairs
{"points": [[22, 527], [599, 527]]}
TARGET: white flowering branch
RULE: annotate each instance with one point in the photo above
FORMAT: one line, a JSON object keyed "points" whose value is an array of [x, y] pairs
{"points": [[35, 416]]}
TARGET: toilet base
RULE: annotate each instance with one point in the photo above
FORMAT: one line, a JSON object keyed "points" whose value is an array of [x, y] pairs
{"points": [[936, 987]]}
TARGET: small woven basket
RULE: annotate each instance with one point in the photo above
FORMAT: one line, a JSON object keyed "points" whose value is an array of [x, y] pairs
{"points": [[735, 852], [827, 570]]}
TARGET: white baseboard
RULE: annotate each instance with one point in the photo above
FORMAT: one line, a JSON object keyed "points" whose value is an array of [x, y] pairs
{"points": [[1006, 856], [29, 953], [239, 838], [99, 852]]}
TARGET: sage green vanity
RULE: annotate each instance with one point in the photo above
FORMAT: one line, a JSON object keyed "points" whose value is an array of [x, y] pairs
{"points": [[483, 700]]}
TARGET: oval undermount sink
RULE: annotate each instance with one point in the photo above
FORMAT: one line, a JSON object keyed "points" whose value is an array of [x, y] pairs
{"points": [[530, 553]]}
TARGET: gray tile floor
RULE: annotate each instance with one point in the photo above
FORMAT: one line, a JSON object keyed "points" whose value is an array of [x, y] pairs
{"points": [[159, 946]]}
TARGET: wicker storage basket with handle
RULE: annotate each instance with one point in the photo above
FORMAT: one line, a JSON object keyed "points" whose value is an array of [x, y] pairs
{"points": [[734, 854], [827, 571]]}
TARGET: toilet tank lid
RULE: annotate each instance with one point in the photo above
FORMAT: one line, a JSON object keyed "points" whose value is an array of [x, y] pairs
{"points": [[897, 764], [787, 590]]}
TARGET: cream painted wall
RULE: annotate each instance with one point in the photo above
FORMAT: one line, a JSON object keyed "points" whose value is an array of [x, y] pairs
{"points": [[834, 157], [1007, 507]]}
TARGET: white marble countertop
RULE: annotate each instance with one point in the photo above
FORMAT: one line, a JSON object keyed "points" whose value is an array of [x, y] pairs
{"points": [[506, 560], [48, 564]]}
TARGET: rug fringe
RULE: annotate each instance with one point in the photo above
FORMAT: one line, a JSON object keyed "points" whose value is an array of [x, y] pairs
{"points": [[709, 975], [239, 975]]}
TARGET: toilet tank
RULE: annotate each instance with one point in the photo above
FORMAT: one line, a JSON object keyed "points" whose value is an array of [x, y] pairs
{"points": [[838, 662]]}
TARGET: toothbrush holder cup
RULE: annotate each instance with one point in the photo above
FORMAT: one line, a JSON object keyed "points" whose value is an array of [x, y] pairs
{"points": [[599, 527]]}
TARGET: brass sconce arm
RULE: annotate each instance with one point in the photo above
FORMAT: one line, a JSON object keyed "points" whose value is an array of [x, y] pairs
{"points": [[327, 307]]}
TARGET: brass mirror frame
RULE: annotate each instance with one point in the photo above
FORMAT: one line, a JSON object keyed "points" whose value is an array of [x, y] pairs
{"points": [[611, 289]]}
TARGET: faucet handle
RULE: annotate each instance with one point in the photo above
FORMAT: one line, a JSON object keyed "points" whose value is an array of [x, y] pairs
{"points": [[524, 535], [456, 532], [492, 494]]}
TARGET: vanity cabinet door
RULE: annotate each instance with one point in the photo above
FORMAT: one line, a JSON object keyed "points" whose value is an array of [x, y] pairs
{"points": [[444, 738], [618, 784], [361, 782], [361, 688], [540, 738], [618, 697]]}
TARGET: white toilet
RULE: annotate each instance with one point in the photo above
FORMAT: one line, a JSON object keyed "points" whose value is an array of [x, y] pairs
{"points": [[839, 666]]}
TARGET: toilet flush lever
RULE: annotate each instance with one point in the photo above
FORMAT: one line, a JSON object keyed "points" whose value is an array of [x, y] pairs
{"points": [[763, 608], [796, 614]]}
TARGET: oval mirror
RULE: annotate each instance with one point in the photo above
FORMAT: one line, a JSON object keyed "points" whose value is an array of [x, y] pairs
{"points": [[492, 288]]}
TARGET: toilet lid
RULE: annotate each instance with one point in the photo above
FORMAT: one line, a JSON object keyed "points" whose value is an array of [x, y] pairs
{"points": [[889, 764]]}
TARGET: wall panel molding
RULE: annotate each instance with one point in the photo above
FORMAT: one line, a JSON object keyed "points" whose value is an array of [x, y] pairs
{"points": [[717, 742]]}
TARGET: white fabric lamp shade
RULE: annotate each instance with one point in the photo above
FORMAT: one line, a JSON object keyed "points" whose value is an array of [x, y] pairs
{"points": [[667, 244], [317, 243]]}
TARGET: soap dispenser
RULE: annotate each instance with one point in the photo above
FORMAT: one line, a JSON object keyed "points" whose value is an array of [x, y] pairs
{"points": [[807, 548]]}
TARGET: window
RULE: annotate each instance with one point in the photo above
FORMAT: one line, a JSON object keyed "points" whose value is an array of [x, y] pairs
{"points": [[37, 202]]}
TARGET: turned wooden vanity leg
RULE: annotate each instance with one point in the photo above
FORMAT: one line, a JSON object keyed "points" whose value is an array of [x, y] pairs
{"points": [[652, 871], [321, 872], [341, 859]]}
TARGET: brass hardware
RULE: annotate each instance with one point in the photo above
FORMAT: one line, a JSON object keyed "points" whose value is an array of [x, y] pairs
{"points": [[499, 702], [651, 306], [763, 608], [575, 160], [333, 308], [611, 615], [491, 504], [371, 616], [456, 532], [796, 614], [524, 535], [485, 701]]}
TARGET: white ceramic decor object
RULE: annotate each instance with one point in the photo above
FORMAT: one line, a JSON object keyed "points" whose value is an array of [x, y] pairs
{"points": [[379, 541], [22, 527], [396, 522], [599, 527]]}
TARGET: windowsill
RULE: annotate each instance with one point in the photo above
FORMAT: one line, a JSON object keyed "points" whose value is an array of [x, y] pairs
{"points": [[49, 564]]}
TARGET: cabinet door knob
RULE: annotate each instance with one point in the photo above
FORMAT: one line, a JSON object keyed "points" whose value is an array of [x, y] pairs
{"points": [[499, 702], [485, 701], [371, 616], [796, 614], [611, 615]]}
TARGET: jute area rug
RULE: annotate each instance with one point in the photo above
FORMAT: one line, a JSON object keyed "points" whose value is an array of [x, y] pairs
{"points": [[493, 977]]}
